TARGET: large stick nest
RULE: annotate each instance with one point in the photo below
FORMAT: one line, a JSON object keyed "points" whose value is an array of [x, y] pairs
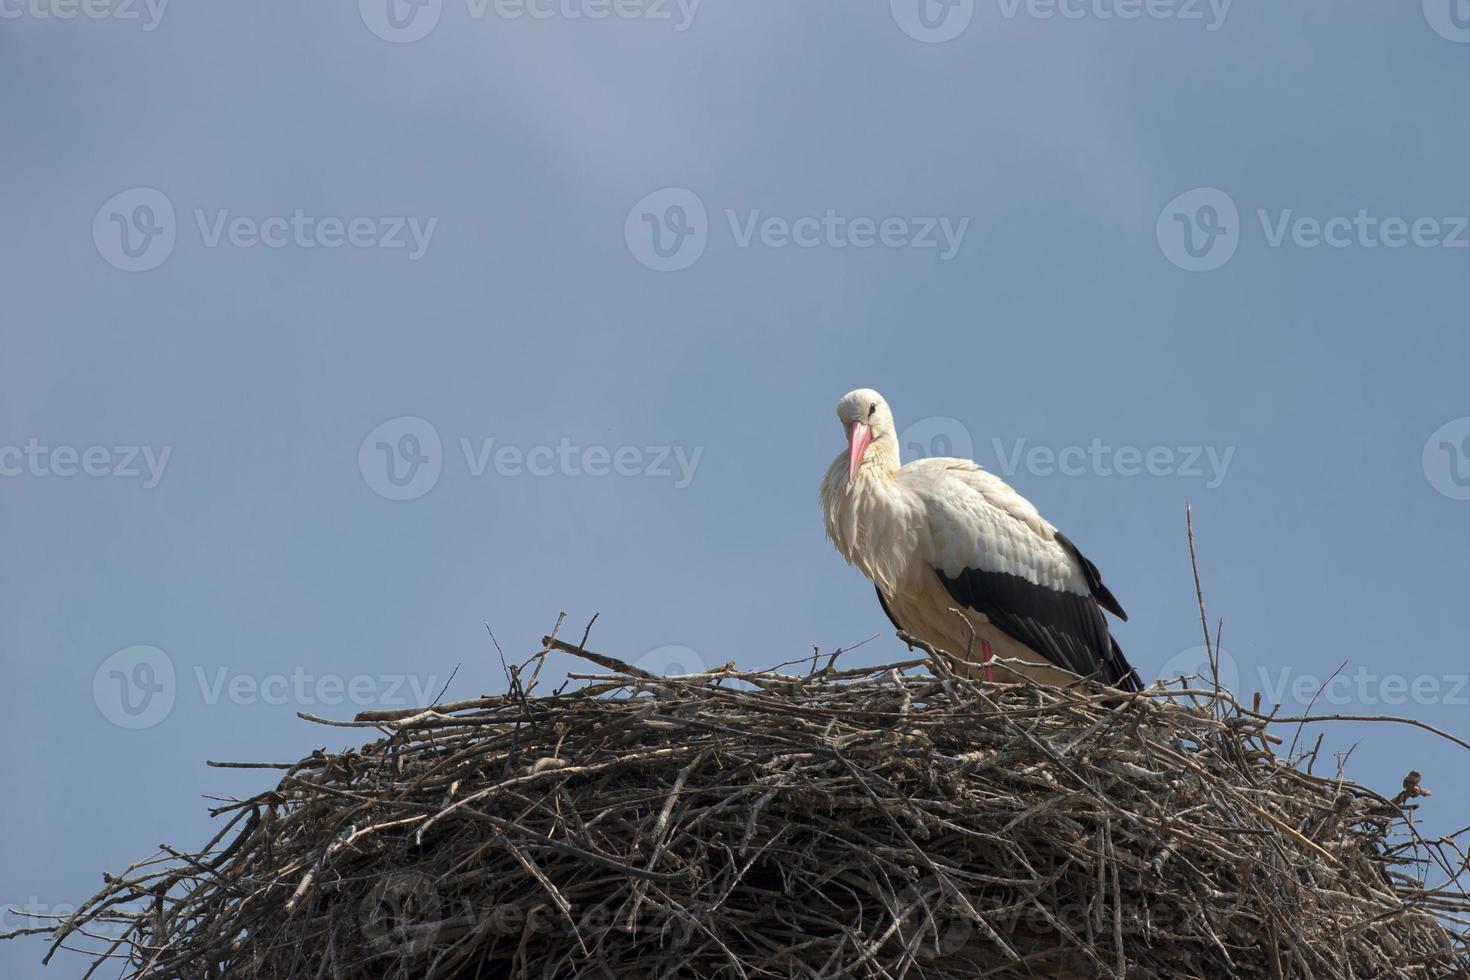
{"points": [[892, 821]]}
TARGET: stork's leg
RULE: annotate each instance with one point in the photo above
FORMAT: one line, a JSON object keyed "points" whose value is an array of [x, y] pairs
{"points": [[985, 654]]}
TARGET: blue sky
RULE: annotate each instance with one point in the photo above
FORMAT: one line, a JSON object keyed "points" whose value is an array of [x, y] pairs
{"points": [[1202, 254]]}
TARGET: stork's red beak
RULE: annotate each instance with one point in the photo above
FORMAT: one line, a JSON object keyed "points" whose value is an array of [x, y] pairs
{"points": [[858, 438]]}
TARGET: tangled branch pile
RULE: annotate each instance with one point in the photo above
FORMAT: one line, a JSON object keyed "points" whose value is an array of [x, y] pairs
{"points": [[885, 822]]}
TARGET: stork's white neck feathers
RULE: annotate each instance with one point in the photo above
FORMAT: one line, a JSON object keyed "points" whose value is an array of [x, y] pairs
{"points": [[871, 519]]}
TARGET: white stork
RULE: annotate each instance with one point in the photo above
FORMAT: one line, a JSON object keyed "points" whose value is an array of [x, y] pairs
{"points": [[942, 539]]}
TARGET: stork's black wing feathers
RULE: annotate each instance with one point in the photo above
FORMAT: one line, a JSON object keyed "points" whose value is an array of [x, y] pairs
{"points": [[886, 611], [1130, 681], [1100, 592], [1066, 628]]}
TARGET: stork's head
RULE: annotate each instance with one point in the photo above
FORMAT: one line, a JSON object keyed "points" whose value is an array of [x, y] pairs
{"points": [[868, 422]]}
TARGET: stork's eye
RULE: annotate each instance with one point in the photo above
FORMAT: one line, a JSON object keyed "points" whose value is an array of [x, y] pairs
{"points": [[872, 408]]}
